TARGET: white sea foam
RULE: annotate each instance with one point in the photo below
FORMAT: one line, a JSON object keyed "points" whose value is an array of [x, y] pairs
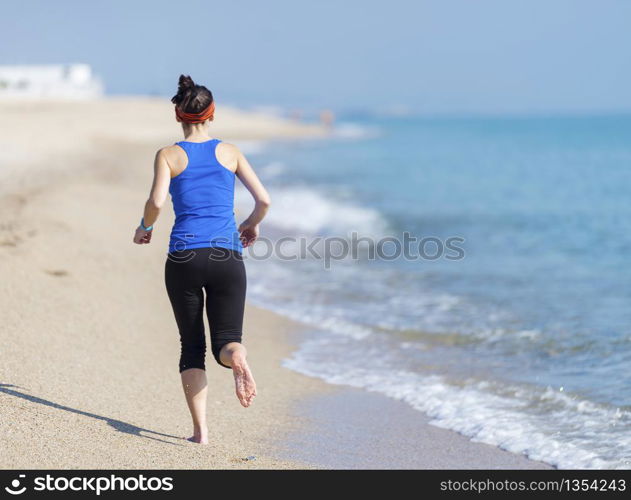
{"points": [[546, 425], [272, 169], [306, 211], [316, 315], [349, 130]]}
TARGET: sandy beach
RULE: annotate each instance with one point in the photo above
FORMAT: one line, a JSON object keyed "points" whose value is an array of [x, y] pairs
{"points": [[88, 377]]}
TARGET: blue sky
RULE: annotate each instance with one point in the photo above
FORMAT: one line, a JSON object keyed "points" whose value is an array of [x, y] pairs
{"points": [[481, 56]]}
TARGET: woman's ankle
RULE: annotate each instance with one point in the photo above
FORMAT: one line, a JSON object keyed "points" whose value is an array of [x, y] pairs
{"points": [[200, 430]]}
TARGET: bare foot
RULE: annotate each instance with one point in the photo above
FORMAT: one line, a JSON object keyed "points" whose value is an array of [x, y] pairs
{"points": [[243, 380], [198, 439], [200, 436]]}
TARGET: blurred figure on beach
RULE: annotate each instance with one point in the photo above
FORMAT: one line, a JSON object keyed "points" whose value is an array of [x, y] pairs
{"points": [[327, 117]]}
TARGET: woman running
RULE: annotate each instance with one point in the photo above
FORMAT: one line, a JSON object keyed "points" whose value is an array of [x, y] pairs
{"points": [[205, 246]]}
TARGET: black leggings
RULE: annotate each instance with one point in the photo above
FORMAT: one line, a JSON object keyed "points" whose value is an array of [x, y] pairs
{"points": [[221, 273]]}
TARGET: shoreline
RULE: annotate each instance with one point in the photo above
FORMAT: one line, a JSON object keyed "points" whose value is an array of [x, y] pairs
{"points": [[357, 429], [89, 332]]}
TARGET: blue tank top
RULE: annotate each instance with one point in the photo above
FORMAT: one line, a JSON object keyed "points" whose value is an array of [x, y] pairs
{"points": [[203, 201]]}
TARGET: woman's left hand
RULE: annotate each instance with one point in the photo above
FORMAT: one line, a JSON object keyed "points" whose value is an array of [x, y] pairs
{"points": [[142, 237], [249, 234]]}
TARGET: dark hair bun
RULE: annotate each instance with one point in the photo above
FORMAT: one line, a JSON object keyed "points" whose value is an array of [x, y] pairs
{"points": [[190, 97], [184, 86], [185, 82]]}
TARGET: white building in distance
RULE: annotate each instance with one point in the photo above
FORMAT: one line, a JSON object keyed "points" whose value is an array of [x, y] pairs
{"points": [[51, 81]]}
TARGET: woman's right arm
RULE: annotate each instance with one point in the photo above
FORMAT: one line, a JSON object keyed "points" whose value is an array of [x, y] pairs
{"points": [[249, 228], [157, 197]]}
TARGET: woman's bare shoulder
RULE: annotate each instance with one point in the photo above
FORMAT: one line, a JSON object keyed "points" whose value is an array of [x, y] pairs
{"points": [[228, 147], [228, 155], [174, 156], [171, 152]]}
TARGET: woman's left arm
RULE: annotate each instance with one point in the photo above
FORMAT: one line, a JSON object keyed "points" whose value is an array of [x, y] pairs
{"points": [[157, 197]]}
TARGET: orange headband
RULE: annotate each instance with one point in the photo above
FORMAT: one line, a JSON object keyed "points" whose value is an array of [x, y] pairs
{"points": [[196, 117]]}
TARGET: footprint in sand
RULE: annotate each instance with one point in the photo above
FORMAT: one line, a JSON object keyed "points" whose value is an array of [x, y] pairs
{"points": [[57, 272]]}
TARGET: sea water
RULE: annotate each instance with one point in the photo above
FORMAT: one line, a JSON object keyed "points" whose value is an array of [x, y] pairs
{"points": [[522, 339]]}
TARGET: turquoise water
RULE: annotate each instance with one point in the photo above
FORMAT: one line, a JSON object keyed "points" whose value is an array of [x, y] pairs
{"points": [[522, 343]]}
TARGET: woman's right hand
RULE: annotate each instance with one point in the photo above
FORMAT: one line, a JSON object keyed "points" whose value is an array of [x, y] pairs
{"points": [[249, 234], [142, 237]]}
